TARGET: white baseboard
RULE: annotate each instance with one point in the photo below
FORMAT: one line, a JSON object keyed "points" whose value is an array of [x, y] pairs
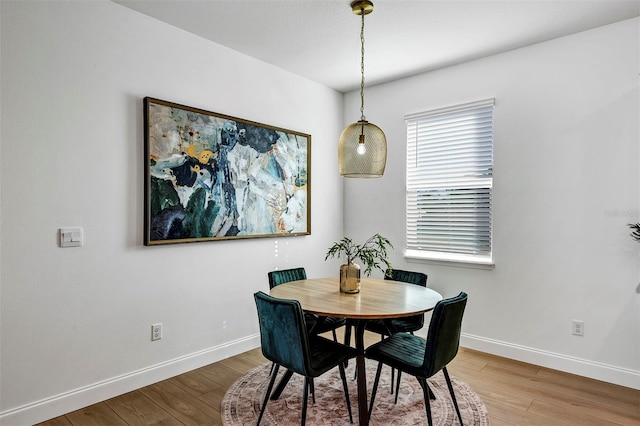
{"points": [[581, 367], [58, 405]]}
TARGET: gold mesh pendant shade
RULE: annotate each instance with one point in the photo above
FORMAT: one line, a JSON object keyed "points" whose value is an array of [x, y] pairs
{"points": [[362, 148], [362, 160]]}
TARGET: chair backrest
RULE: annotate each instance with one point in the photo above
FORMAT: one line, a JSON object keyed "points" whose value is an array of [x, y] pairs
{"points": [[443, 338], [411, 277], [283, 333], [286, 275]]}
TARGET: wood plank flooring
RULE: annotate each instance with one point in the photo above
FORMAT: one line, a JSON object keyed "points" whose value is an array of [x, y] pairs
{"points": [[514, 392]]}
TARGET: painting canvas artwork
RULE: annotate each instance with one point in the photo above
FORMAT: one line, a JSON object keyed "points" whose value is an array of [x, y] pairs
{"points": [[210, 176]]}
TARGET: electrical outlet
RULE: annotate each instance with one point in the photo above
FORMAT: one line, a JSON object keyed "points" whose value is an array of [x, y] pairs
{"points": [[577, 327], [156, 331]]}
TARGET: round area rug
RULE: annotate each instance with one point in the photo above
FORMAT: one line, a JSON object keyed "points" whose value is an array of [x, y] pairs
{"points": [[241, 403]]}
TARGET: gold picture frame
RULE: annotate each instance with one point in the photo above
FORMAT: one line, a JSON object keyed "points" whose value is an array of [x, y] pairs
{"points": [[211, 176]]}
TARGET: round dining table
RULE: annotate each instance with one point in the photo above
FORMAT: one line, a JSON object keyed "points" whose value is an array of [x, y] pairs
{"points": [[377, 299]]}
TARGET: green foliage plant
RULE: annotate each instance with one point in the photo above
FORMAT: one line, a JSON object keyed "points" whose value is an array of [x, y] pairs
{"points": [[635, 234], [373, 253]]}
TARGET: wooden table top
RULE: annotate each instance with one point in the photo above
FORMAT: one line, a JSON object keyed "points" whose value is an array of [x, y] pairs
{"points": [[376, 299]]}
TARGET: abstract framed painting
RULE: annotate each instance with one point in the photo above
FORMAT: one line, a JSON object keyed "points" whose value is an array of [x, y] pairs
{"points": [[210, 176]]}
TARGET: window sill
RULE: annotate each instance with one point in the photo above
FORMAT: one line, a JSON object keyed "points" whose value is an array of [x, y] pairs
{"points": [[448, 259]]}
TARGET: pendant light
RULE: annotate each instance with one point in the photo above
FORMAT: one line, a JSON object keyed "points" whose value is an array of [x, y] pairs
{"points": [[362, 148]]}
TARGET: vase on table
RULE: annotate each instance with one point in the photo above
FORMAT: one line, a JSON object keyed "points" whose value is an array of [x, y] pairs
{"points": [[350, 278]]}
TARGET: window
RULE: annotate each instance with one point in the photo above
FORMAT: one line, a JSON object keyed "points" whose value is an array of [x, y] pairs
{"points": [[449, 183]]}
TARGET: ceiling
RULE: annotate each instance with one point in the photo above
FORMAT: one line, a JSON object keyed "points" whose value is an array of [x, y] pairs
{"points": [[320, 39]]}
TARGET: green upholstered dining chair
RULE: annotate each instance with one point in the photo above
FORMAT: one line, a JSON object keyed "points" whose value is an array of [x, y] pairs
{"points": [[282, 276], [423, 358], [286, 342], [406, 324], [317, 325]]}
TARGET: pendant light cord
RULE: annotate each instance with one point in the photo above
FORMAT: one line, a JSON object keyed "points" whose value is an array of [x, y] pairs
{"points": [[362, 117]]}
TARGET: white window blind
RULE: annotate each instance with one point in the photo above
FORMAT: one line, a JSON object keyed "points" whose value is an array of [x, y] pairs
{"points": [[450, 180]]}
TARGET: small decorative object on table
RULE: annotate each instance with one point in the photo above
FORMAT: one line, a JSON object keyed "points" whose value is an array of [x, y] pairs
{"points": [[373, 254], [636, 231]]}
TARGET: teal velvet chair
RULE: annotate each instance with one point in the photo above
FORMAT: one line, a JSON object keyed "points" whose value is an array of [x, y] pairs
{"points": [[282, 276], [286, 342], [317, 325], [396, 325], [423, 358], [407, 324]]}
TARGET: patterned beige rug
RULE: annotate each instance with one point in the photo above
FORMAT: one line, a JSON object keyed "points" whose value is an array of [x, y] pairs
{"points": [[241, 404]]}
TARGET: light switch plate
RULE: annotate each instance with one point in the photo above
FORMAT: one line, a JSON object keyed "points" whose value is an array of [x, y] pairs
{"points": [[70, 237]]}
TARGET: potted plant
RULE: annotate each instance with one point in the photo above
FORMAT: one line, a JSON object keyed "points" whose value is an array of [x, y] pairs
{"points": [[372, 253]]}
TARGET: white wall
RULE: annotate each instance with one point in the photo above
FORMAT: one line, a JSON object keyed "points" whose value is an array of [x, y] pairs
{"points": [[566, 183], [75, 323]]}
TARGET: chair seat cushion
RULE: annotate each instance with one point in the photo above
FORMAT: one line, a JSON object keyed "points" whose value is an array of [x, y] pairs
{"points": [[325, 354], [398, 325], [377, 326], [323, 324], [403, 351]]}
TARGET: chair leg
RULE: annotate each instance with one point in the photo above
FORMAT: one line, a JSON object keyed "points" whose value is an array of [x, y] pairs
{"points": [[347, 334], [397, 385], [335, 336], [281, 385], [431, 395], [453, 396], [346, 390], [305, 396], [393, 371], [266, 396], [375, 388], [427, 403], [312, 388]]}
